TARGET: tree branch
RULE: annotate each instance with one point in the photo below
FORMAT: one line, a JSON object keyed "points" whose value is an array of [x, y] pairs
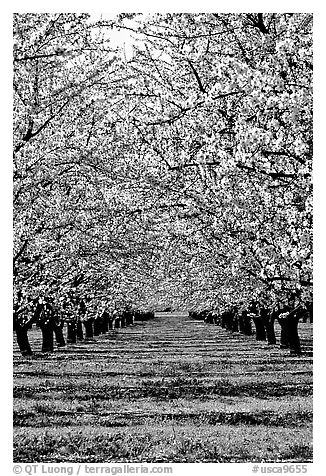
{"points": [[200, 84]]}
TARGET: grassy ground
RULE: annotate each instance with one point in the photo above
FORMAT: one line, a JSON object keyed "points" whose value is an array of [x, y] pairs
{"points": [[168, 390]]}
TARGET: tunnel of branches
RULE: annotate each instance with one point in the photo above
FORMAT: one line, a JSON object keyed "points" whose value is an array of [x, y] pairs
{"points": [[162, 163]]}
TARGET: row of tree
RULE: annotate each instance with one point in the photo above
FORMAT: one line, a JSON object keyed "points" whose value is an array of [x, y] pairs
{"points": [[84, 318], [240, 319], [179, 174]]}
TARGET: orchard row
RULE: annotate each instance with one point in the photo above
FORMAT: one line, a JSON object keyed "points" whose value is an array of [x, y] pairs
{"points": [[259, 320], [177, 175], [84, 319]]}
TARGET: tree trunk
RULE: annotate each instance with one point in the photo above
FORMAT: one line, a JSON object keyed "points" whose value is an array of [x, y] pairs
{"points": [[223, 320], [245, 323], [260, 328], [293, 336], [105, 323], [97, 327], [129, 319], [208, 318], [123, 321], [47, 337], [284, 342], [247, 330], [111, 323], [241, 322], [89, 328], [235, 323], [80, 334], [71, 332], [59, 336], [268, 322], [270, 331], [22, 340], [304, 316], [228, 321], [117, 323], [310, 310]]}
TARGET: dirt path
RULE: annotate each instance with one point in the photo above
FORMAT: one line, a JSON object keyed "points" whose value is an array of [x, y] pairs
{"points": [[170, 389]]}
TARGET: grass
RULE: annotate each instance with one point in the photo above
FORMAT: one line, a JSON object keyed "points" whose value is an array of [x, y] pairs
{"points": [[225, 443], [170, 390]]}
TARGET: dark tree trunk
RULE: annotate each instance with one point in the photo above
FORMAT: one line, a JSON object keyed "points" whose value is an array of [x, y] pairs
{"points": [[241, 322], [304, 316], [268, 319], [223, 320], [247, 329], [245, 323], [105, 323], [270, 331], [310, 311], [284, 341], [111, 323], [260, 328], [22, 340], [47, 337], [59, 336], [117, 323], [71, 332], [130, 319], [248, 326], [89, 328], [293, 336], [235, 323], [80, 334], [208, 318], [229, 321], [123, 321], [97, 327]]}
